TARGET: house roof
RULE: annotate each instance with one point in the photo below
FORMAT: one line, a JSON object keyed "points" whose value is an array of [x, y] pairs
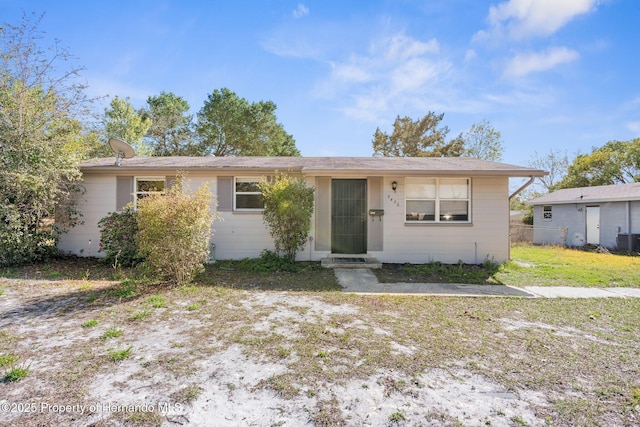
{"points": [[603, 193], [313, 165]]}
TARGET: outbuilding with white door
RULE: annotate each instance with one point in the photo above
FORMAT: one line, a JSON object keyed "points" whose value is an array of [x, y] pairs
{"points": [[607, 216]]}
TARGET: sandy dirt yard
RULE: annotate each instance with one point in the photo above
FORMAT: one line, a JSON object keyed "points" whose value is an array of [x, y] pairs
{"points": [[103, 353]]}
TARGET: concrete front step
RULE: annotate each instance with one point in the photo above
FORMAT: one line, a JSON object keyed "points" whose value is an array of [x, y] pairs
{"points": [[350, 261]]}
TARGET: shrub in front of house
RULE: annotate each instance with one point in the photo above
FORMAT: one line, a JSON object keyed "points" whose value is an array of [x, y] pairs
{"points": [[118, 233], [174, 231], [288, 207]]}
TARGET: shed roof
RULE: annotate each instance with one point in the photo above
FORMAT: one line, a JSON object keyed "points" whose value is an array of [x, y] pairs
{"points": [[603, 193], [314, 165]]}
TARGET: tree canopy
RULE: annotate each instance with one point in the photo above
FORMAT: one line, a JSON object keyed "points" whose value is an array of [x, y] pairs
{"points": [[123, 122], [170, 133], [41, 139], [556, 163], [616, 162], [483, 141], [417, 138], [229, 125]]}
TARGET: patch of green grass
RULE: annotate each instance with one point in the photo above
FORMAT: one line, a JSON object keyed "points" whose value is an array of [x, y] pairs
{"points": [[140, 418], [156, 301], [187, 394], [126, 289], [328, 412], [91, 298], [518, 420], [530, 266], [90, 323], [396, 417], [193, 307], [53, 275], [557, 266], [635, 397], [140, 315], [283, 352], [1, 292], [308, 276], [7, 359], [111, 333], [282, 385], [14, 374], [10, 272], [119, 355], [437, 272]]}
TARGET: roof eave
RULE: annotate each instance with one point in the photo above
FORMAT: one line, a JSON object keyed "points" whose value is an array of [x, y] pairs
{"points": [[582, 201]]}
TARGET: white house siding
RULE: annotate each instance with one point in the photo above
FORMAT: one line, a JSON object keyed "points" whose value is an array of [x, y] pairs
{"points": [[243, 234], [486, 237], [98, 200]]}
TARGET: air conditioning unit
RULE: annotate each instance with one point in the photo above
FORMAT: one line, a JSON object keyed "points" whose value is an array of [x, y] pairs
{"points": [[622, 242]]}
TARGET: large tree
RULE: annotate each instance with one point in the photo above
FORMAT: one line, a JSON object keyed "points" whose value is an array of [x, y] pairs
{"points": [[616, 162], [42, 105], [229, 125], [123, 122], [482, 141], [171, 132], [555, 162], [419, 138]]}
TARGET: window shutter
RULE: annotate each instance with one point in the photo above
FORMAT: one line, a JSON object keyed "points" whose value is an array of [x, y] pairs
{"points": [[225, 193], [124, 188], [323, 214]]}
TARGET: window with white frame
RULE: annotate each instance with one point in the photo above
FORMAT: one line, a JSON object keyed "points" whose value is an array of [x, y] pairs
{"points": [[247, 195], [437, 199], [547, 213], [146, 185]]}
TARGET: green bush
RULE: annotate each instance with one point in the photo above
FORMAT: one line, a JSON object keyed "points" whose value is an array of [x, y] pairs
{"points": [[118, 233], [174, 231], [270, 261], [288, 206]]}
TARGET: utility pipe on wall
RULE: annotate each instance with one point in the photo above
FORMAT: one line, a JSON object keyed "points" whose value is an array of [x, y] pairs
{"points": [[521, 189], [514, 194]]}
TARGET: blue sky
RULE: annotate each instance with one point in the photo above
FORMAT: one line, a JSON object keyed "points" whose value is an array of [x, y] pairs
{"points": [[548, 74]]}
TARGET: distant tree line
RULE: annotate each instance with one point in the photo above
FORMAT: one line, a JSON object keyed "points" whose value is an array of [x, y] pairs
{"points": [[227, 125]]}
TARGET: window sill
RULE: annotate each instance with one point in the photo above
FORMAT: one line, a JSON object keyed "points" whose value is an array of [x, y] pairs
{"points": [[248, 212], [437, 224]]}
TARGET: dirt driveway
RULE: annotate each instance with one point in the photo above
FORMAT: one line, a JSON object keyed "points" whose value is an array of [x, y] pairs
{"points": [[111, 353]]}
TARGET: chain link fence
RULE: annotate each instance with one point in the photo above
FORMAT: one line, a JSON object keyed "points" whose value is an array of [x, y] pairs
{"points": [[524, 233]]}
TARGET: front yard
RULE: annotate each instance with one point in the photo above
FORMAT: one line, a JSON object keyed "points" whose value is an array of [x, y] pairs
{"points": [[530, 266], [250, 348]]}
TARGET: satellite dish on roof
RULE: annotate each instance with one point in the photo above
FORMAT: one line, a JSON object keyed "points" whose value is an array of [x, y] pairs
{"points": [[122, 150]]}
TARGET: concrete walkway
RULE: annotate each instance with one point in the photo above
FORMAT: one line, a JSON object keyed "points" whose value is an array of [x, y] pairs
{"points": [[364, 281]]}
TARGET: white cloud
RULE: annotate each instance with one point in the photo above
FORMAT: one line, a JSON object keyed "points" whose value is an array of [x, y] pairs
{"points": [[525, 63], [519, 19], [394, 73], [350, 73], [400, 47], [300, 11], [414, 74]]}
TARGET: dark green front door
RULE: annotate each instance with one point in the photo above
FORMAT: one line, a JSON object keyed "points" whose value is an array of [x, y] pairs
{"points": [[349, 216]]}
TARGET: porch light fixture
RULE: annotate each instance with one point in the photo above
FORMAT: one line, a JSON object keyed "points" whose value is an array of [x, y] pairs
{"points": [[394, 186]]}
